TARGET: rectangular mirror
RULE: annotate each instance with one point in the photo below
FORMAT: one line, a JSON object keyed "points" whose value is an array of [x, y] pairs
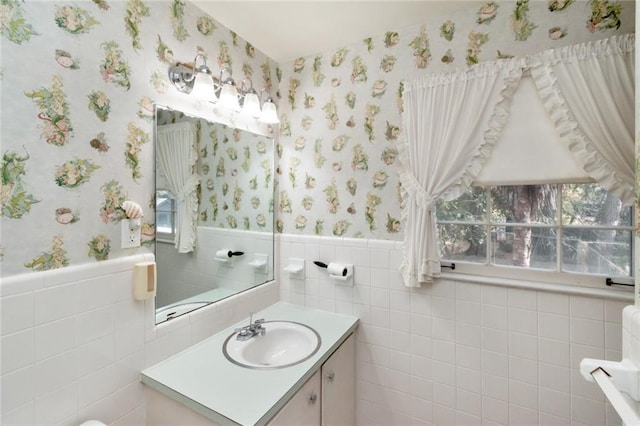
{"points": [[214, 211]]}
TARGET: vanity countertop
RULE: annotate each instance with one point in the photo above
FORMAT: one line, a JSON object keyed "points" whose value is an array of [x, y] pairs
{"points": [[201, 378]]}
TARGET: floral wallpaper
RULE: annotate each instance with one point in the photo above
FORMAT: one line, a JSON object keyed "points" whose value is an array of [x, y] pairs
{"points": [[236, 174], [237, 185], [341, 110], [79, 83]]}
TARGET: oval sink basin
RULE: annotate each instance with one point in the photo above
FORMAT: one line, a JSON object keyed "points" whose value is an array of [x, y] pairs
{"points": [[284, 344]]}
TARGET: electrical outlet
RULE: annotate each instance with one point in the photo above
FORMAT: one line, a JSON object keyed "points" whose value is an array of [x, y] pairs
{"points": [[130, 233]]}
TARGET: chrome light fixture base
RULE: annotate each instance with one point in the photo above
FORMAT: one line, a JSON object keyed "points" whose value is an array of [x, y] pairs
{"points": [[182, 76]]}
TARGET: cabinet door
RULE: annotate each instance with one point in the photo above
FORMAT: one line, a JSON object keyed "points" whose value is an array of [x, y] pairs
{"points": [[303, 408], [339, 386]]}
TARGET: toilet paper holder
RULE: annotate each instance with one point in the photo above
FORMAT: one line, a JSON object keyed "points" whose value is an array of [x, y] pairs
{"points": [[337, 271], [227, 256]]}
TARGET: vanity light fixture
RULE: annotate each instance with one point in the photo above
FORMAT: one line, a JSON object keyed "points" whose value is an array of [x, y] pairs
{"points": [[197, 79]]}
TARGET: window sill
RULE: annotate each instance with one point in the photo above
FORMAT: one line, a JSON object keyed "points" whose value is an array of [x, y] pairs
{"points": [[622, 294]]}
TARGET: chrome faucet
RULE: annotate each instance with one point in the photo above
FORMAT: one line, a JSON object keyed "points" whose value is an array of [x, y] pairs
{"points": [[253, 329]]}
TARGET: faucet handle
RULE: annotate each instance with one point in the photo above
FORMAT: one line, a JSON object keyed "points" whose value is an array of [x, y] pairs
{"points": [[259, 321]]}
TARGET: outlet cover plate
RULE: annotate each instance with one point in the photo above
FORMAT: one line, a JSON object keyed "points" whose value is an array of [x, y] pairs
{"points": [[129, 238]]}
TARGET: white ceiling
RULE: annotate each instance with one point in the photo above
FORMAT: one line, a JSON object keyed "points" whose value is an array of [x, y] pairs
{"points": [[286, 30]]}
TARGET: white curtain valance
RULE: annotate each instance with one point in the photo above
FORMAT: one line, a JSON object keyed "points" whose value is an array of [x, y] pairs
{"points": [[177, 156], [452, 121]]}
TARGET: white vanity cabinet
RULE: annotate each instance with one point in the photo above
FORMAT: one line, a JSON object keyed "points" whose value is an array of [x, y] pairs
{"points": [[339, 386], [303, 408], [328, 397], [201, 386]]}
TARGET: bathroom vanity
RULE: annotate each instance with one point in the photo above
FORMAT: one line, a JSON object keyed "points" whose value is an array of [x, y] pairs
{"points": [[201, 386]]}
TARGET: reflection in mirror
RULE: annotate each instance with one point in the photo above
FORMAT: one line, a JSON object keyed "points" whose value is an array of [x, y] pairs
{"points": [[214, 212]]}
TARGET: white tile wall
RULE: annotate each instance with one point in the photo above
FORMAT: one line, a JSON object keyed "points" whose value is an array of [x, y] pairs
{"points": [[630, 339], [459, 352], [73, 342], [190, 274]]}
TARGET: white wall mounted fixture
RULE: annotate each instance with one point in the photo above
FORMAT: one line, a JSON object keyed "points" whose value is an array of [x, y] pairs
{"points": [[614, 378], [295, 268], [144, 280], [260, 263]]}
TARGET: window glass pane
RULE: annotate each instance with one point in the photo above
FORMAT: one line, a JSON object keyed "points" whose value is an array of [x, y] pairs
{"points": [[469, 207], [524, 204], [463, 242], [164, 206], [590, 204], [524, 247], [164, 201], [163, 222], [585, 247], [606, 252]]}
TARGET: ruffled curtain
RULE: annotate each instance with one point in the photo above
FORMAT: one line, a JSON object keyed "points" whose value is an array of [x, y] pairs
{"points": [[451, 123], [177, 155], [588, 92]]}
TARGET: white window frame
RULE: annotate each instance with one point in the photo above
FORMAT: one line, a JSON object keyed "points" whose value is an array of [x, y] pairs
{"points": [[487, 270]]}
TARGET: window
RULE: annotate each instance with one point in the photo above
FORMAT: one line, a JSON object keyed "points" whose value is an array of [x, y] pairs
{"points": [[579, 229], [166, 215]]}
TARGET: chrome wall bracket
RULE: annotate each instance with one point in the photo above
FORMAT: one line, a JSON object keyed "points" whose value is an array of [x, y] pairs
{"points": [[182, 77]]}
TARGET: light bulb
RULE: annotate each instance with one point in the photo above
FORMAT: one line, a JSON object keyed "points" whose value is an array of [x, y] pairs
{"points": [[203, 87], [229, 97], [251, 106], [269, 113]]}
